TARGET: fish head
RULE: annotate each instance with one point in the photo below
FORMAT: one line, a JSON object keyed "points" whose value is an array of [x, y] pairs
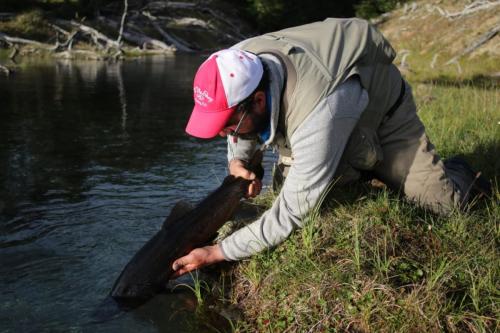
{"points": [[111, 308]]}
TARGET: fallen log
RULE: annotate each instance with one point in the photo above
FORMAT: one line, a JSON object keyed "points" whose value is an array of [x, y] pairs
{"points": [[186, 22], [140, 39], [381, 19], [479, 42], [59, 29], [14, 53], [162, 5], [179, 45], [99, 39], [16, 40], [474, 7], [5, 70], [67, 45]]}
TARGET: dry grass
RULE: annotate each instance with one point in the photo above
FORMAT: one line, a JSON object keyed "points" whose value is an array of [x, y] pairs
{"points": [[432, 40]]}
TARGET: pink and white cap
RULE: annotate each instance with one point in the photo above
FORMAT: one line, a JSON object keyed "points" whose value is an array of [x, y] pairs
{"points": [[224, 80]]}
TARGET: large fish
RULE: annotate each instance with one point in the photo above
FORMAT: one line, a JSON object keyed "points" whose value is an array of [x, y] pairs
{"points": [[184, 229]]}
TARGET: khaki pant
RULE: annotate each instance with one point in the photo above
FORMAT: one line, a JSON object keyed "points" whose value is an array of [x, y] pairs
{"points": [[400, 154], [411, 164]]}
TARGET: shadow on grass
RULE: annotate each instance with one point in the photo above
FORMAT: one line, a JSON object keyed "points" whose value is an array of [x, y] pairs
{"points": [[477, 81], [348, 194], [486, 159]]}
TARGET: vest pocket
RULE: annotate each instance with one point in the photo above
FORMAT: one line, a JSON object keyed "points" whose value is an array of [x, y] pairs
{"points": [[363, 150]]}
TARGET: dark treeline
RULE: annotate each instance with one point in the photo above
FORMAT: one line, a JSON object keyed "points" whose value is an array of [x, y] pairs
{"points": [[268, 15], [264, 15]]}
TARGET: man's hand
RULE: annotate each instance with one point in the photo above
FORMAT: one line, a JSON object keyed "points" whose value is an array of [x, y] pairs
{"points": [[197, 258], [237, 168]]}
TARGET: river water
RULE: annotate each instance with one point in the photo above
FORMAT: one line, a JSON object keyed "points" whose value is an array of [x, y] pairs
{"points": [[93, 155]]}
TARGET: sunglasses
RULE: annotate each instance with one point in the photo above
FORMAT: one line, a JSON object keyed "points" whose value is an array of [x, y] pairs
{"points": [[243, 107]]}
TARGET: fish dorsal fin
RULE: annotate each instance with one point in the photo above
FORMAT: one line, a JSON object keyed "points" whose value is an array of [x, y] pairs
{"points": [[180, 209]]}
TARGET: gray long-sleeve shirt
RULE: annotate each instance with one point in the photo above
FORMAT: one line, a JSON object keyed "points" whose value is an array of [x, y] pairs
{"points": [[317, 146]]}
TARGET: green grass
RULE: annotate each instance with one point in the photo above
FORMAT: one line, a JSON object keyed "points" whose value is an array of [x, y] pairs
{"points": [[371, 262]]}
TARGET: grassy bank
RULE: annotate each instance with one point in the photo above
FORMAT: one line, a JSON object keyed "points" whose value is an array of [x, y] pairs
{"points": [[371, 262]]}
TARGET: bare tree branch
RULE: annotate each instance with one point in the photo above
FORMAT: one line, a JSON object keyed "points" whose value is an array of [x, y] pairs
{"points": [[140, 39], [16, 40], [14, 53], [469, 9], [59, 29], [5, 70], [100, 40], [480, 41], [122, 23]]}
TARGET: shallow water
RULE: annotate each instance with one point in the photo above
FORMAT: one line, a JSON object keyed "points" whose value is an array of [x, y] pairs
{"points": [[93, 155]]}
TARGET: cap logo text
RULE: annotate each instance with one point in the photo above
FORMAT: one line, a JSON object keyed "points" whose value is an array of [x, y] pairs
{"points": [[201, 96]]}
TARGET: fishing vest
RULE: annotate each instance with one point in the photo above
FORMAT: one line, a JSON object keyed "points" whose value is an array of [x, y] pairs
{"points": [[317, 57]]}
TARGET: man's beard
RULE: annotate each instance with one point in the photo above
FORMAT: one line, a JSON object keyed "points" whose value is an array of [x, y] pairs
{"points": [[260, 122]]}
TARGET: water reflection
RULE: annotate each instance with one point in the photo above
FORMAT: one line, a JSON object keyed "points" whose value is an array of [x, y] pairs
{"points": [[92, 157]]}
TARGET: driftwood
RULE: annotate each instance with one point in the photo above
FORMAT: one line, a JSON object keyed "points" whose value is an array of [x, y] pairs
{"points": [[162, 5], [409, 8], [474, 7], [404, 54], [480, 41], [68, 44], [380, 19], [189, 22], [59, 29], [179, 45], [15, 40], [140, 39], [434, 60], [66, 32], [14, 53], [99, 39], [5, 70], [456, 63], [469, 9]]}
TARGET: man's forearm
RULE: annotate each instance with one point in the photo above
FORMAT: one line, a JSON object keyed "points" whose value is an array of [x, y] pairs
{"points": [[317, 148]]}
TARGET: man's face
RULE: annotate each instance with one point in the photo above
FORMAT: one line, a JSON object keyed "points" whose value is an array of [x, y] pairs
{"points": [[251, 121]]}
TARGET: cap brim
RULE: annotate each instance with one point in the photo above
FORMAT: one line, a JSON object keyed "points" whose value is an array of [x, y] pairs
{"points": [[206, 125]]}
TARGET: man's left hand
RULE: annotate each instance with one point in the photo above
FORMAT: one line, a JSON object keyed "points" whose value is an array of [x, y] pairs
{"points": [[237, 168], [197, 258]]}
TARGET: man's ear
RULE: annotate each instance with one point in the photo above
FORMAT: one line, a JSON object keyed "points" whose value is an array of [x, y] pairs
{"points": [[259, 100]]}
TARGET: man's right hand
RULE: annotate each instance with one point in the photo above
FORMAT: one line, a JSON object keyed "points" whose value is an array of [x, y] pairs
{"points": [[237, 168]]}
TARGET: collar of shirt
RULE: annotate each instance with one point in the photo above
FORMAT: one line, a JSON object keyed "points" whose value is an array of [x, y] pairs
{"points": [[266, 133], [273, 95]]}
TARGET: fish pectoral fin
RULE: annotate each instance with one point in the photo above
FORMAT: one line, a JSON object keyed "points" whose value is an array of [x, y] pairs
{"points": [[180, 209]]}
